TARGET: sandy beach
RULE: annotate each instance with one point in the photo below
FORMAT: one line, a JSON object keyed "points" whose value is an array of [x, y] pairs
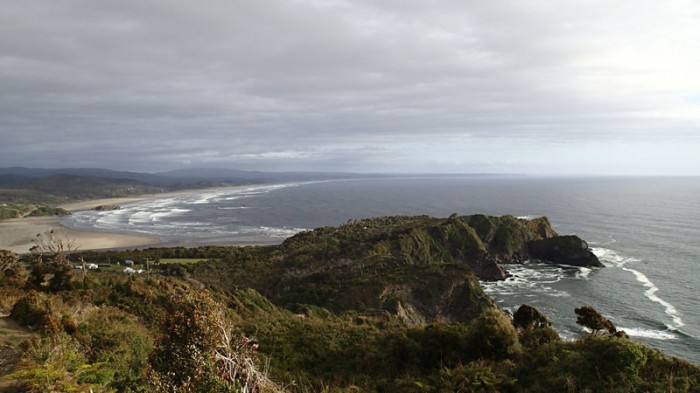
{"points": [[16, 235]]}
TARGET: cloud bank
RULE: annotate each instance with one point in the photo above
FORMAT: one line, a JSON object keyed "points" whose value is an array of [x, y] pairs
{"points": [[380, 86]]}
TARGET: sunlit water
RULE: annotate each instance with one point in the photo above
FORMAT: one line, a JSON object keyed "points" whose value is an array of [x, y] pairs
{"points": [[645, 230]]}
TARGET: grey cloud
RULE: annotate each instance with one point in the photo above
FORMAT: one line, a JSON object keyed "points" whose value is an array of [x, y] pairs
{"points": [[239, 83]]}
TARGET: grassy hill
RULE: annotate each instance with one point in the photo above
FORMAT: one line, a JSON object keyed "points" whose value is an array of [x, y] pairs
{"points": [[391, 304]]}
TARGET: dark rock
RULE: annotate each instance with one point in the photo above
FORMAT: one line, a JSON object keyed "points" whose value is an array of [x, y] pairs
{"points": [[564, 250], [104, 208]]}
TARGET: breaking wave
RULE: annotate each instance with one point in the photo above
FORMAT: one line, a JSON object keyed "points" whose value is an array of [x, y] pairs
{"points": [[648, 333]]}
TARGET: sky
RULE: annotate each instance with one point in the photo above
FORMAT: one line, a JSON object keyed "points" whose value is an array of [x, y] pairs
{"points": [[412, 86]]}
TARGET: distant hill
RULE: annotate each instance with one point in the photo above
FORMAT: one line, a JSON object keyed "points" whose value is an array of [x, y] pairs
{"points": [[53, 186], [43, 185], [56, 189]]}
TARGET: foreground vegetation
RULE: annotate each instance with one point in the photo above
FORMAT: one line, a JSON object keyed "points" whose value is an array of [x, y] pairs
{"points": [[370, 311]]}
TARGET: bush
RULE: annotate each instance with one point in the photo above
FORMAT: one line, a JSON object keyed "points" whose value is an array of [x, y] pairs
{"points": [[493, 336], [119, 340], [478, 376], [35, 310], [537, 337]]}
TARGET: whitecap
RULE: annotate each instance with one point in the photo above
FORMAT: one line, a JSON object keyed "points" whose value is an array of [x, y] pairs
{"points": [[583, 273], [280, 232], [205, 199], [647, 333]]}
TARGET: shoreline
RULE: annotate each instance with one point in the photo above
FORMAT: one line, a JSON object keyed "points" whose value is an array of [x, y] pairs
{"points": [[16, 234]]}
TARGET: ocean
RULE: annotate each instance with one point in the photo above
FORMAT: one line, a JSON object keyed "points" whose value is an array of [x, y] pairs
{"points": [[645, 230]]}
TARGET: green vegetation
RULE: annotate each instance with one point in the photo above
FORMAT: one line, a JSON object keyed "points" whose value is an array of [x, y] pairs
{"points": [[29, 210], [387, 305], [181, 261], [58, 189]]}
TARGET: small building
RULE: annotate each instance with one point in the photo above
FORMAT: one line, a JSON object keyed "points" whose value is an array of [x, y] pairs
{"points": [[129, 262]]}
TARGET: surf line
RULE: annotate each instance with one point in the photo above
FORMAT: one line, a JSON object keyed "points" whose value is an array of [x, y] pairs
{"points": [[651, 295], [651, 289]]}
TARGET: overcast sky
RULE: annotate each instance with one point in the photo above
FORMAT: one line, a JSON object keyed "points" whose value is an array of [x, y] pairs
{"points": [[539, 87]]}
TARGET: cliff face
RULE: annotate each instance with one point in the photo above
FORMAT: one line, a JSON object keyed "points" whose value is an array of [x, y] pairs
{"points": [[512, 240]]}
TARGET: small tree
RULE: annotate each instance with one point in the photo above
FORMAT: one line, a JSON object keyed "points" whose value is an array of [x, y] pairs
{"points": [[10, 268], [50, 253]]}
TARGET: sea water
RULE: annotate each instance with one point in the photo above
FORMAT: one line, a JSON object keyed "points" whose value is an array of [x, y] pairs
{"points": [[645, 230]]}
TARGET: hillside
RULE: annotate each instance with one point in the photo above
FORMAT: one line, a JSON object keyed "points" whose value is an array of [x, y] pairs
{"points": [[390, 304], [57, 189]]}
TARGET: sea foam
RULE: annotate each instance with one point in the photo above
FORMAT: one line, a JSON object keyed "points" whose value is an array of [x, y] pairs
{"points": [[527, 279]]}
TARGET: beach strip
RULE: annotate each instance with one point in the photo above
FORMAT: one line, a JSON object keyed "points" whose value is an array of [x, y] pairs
{"points": [[17, 234]]}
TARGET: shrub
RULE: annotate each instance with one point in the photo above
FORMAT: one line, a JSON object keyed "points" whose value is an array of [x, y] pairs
{"points": [[35, 310], [54, 363], [537, 337], [199, 353], [493, 336]]}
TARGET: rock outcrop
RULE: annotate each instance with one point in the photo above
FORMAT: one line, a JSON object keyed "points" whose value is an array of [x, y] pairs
{"points": [[564, 250], [418, 268]]}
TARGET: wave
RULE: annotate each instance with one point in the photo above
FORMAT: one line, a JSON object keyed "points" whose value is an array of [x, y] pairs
{"points": [[280, 232], [612, 259], [148, 217], [583, 273], [649, 333]]}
